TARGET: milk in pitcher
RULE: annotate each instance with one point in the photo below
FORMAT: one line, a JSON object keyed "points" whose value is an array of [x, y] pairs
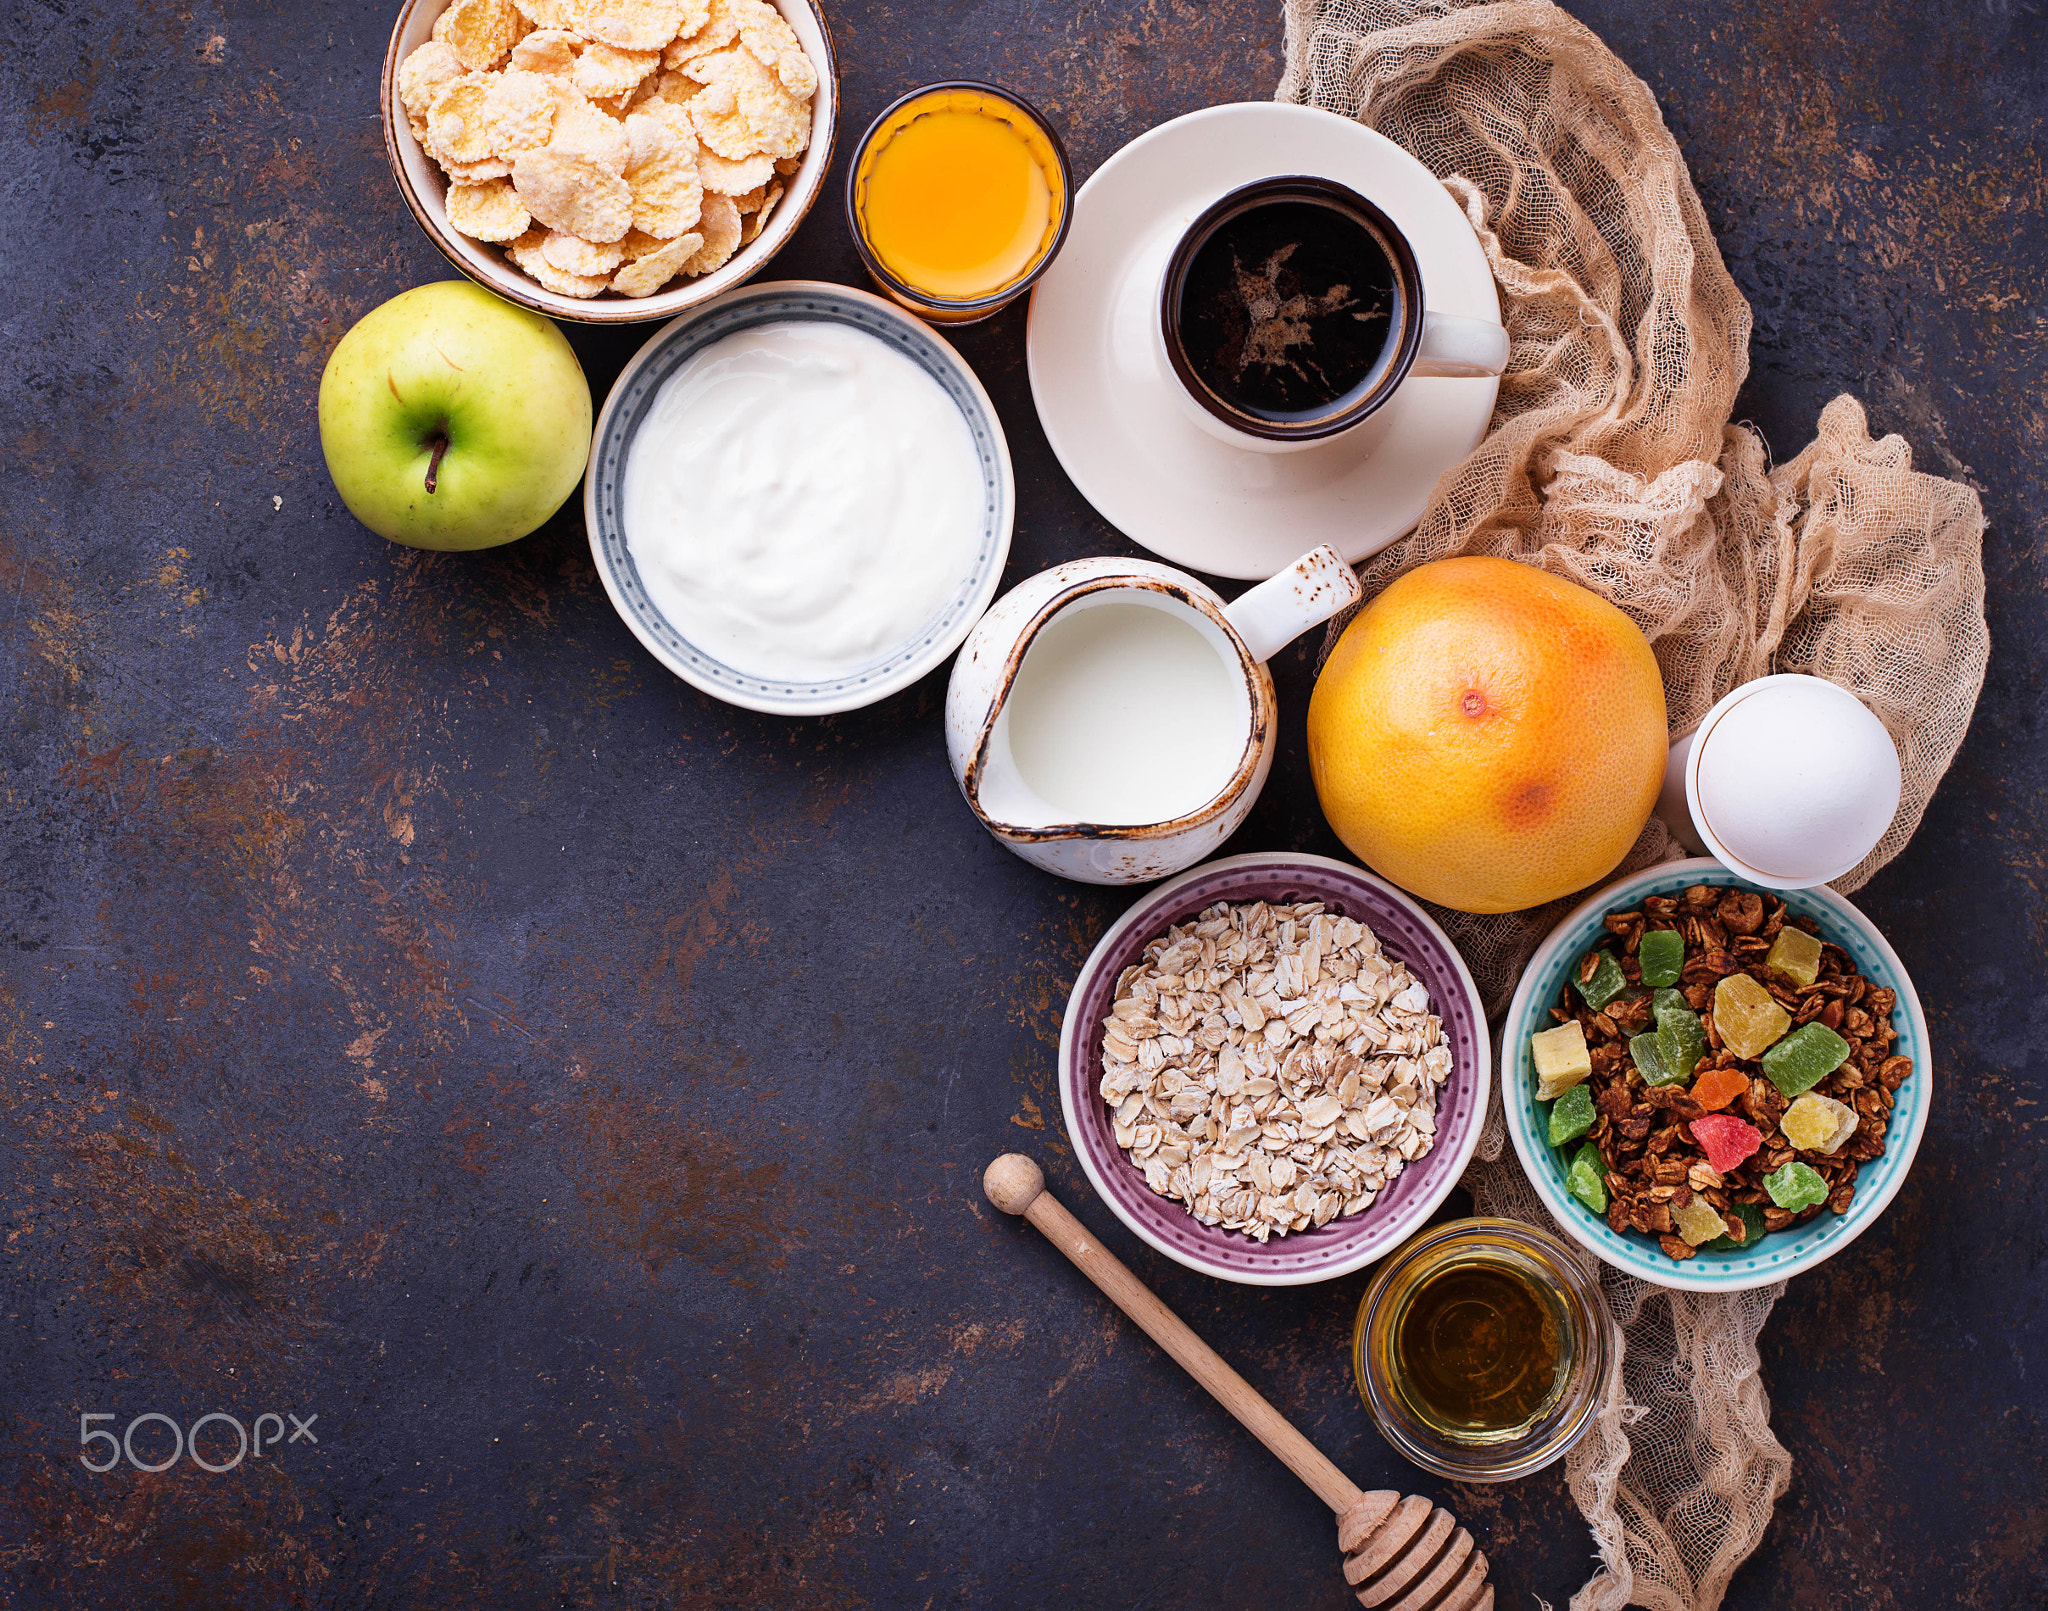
{"points": [[1127, 712]]}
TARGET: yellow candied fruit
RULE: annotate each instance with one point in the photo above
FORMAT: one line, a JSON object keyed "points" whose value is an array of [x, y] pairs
{"points": [[1562, 1060], [1748, 1016], [1699, 1221], [1817, 1123], [1795, 955]]}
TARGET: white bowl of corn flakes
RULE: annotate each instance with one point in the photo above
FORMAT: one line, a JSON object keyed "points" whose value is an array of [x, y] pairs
{"points": [[609, 161]]}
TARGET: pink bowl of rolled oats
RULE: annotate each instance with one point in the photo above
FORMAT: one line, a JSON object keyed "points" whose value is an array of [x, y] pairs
{"points": [[1274, 1068], [609, 161]]}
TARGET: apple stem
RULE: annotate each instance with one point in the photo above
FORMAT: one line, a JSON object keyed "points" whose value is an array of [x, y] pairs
{"points": [[434, 464]]}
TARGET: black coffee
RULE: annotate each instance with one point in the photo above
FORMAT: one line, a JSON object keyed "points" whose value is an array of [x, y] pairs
{"points": [[1286, 309]]}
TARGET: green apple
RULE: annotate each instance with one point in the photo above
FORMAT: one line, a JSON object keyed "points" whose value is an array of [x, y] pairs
{"points": [[452, 419]]}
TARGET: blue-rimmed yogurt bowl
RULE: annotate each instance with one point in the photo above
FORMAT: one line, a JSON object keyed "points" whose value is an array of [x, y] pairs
{"points": [[1783, 1253], [627, 407]]}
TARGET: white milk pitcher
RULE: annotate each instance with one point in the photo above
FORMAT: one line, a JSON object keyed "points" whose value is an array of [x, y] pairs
{"points": [[1112, 720]]}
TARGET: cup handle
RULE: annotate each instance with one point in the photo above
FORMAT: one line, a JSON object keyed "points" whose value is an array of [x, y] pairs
{"points": [[1281, 608], [1461, 347]]}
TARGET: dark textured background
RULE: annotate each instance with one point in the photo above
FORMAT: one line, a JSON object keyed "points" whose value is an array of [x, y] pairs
{"points": [[421, 1011]]}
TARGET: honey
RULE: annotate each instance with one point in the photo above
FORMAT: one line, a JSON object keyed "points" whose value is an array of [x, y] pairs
{"points": [[1479, 1348], [958, 195]]}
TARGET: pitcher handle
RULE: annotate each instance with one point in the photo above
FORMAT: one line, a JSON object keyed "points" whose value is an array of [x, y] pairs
{"points": [[1281, 608]]}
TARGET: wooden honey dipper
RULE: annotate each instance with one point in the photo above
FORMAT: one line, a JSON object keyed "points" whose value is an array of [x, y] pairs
{"points": [[1399, 1554]]}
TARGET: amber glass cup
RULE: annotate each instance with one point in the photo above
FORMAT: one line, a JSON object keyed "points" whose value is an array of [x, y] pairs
{"points": [[1562, 1407], [1045, 149]]}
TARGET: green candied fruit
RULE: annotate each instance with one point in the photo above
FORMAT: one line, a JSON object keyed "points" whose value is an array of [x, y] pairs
{"points": [[1681, 1040], [1796, 1186], [1571, 1115], [1664, 1000], [1795, 955], [1587, 1178], [1804, 1058], [1606, 983], [1661, 956], [1752, 1219], [1649, 1059]]}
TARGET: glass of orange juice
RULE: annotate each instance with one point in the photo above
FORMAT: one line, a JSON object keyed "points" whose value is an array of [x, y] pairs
{"points": [[959, 199]]}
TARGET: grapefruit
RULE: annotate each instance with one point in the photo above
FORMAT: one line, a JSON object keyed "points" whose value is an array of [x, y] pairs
{"points": [[1488, 736]]}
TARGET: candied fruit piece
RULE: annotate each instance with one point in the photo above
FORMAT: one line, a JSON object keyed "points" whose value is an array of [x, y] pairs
{"points": [[1561, 1059], [1804, 1058], [1795, 955], [1748, 1016], [1796, 1186], [1752, 1219], [1649, 1059], [1571, 1116], [1606, 982], [1726, 1140], [1661, 956], [1587, 1178], [1681, 1041], [1699, 1222], [1716, 1088], [1817, 1123]]}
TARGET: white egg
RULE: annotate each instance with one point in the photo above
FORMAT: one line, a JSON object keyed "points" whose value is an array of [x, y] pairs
{"points": [[1797, 779]]}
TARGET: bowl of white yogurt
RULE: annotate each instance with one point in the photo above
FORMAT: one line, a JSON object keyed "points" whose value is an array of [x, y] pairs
{"points": [[799, 498]]}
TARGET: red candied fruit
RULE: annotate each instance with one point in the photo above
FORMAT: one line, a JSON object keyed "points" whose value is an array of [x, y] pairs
{"points": [[1726, 1140]]}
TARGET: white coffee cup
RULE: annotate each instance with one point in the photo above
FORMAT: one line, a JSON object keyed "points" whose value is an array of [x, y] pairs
{"points": [[1419, 341]]}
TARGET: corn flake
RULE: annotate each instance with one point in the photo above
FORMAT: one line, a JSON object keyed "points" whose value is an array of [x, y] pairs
{"points": [[549, 51], [457, 130], [542, 13], [744, 108], [583, 132], [491, 211], [719, 224], [730, 178], [629, 24], [572, 254], [423, 72], [573, 194], [718, 26], [646, 275], [605, 70], [475, 173], [667, 194], [773, 43], [519, 112], [637, 243], [480, 32], [528, 254], [751, 228]]}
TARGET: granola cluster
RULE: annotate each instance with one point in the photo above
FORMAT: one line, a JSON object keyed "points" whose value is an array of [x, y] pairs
{"points": [[1653, 1167]]}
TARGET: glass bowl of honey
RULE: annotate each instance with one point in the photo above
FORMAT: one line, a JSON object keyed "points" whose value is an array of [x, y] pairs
{"points": [[959, 197], [1481, 1349]]}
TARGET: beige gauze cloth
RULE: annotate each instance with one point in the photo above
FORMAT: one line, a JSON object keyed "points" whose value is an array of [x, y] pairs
{"points": [[1611, 460]]}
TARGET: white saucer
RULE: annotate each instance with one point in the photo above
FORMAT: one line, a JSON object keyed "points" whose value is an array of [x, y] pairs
{"points": [[1103, 396]]}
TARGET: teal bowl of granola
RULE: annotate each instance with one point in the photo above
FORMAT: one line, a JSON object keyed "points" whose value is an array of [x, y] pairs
{"points": [[1728, 1104]]}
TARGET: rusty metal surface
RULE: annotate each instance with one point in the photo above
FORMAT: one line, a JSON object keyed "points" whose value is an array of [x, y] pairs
{"points": [[422, 1013]]}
